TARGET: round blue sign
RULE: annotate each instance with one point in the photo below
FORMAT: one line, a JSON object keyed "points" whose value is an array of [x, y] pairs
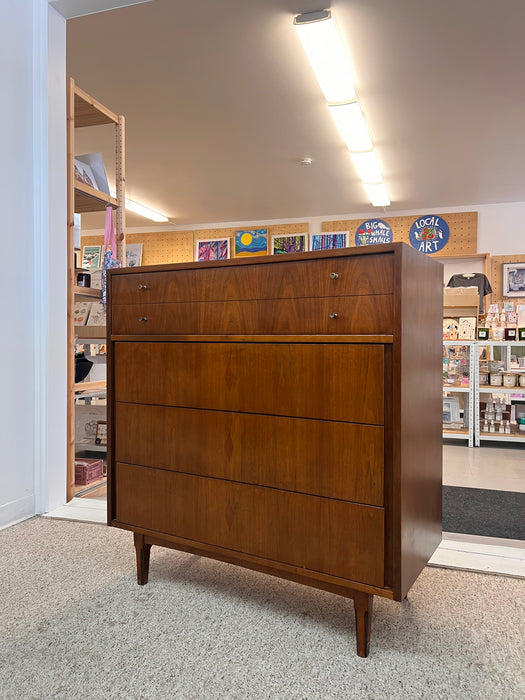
{"points": [[372, 232], [429, 233]]}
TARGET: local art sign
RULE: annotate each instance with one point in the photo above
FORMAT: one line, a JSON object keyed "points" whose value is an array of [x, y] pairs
{"points": [[429, 234], [372, 232]]}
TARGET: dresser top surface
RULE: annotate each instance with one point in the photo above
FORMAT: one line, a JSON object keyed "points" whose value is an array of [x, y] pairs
{"points": [[396, 249]]}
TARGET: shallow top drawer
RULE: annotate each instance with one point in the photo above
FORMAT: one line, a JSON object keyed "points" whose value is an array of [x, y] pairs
{"points": [[338, 276]]}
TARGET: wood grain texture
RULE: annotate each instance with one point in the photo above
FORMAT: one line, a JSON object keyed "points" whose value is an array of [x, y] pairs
{"points": [[357, 314], [330, 382], [417, 430], [337, 460], [285, 279], [319, 534]]}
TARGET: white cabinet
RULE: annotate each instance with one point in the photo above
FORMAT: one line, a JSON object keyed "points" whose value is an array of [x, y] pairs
{"points": [[458, 390], [500, 382]]}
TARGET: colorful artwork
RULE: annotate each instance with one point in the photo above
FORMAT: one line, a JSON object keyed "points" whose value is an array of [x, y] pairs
{"points": [[91, 256], [373, 232], [289, 243], [212, 249], [329, 241], [254, 242], [429, 234]]}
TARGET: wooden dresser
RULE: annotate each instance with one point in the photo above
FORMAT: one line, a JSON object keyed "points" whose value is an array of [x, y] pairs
{"points": [[282, 413]]}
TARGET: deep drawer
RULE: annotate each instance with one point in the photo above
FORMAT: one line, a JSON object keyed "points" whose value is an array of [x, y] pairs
{"points": [[330, 382], [325, 535], [357, 314], [324, 458], [339, 276]]}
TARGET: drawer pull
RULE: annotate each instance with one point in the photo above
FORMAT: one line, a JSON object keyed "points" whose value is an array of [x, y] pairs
{"points": [[143, 319], [333, 315], [334, 275], [143, 286]]}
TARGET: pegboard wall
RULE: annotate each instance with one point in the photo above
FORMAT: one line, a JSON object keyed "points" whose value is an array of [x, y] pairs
{"points": [[179, 246], [497, 276], [463, 227]]}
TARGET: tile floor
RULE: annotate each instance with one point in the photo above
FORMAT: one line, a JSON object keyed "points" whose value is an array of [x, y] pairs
{"points": [[488, 467]]}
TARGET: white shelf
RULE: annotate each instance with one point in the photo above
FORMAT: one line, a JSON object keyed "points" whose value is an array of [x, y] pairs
{"points": [[90, 447], [502, 438], [454, 389], [457, 435], [487, 389]]}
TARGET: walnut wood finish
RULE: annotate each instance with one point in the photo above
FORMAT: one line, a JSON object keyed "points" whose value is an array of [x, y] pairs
{"points": [[356, 314], [244, 427], [363, 603], [239, 280], [328, 382], [320, 534], [323, 458]]}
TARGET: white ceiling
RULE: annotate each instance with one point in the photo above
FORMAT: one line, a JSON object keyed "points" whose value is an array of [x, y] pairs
{"points": [[221, 104]]}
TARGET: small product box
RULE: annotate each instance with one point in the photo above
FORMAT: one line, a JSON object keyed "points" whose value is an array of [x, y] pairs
{"points": [[460, 301], [88, 470]]}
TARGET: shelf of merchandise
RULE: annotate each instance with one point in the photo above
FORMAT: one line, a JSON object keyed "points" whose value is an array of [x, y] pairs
{"points": [[506, 347], [82, 110], [468, 432]]}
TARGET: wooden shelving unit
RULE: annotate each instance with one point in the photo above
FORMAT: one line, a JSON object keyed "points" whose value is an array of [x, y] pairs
{"points": [[85, 111]]}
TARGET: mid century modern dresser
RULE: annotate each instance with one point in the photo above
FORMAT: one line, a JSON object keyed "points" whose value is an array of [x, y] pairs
{"points": [[282, 413]]}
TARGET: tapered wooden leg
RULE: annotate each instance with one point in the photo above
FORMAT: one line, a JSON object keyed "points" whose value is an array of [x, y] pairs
{"points": [[363, 603], [143, 551]]}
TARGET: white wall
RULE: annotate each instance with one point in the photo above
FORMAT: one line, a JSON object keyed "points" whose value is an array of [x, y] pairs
{"points": [[17, 492], [500, 229], [32, 233], [54, 404]]}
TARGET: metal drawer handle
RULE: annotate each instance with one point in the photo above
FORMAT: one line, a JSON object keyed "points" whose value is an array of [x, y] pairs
{"points": [[143, 319], [143, 286], [334, 275], [333, 315]]}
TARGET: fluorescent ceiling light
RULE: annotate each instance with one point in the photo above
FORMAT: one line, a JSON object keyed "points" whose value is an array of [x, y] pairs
{"points": [[352, 126], [367, 166], [141, 209], [145, 211], [327, 54], [377, 194]]}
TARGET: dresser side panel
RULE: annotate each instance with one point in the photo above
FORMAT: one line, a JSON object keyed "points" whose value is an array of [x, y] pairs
{"points": [[420, 390]]}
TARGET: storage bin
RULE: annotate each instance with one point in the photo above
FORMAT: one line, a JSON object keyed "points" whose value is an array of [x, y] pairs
{"points": [[88, 470], [496, 379], [509, 380]]}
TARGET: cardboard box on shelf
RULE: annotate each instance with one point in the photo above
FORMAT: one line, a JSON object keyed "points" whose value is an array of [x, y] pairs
{"points": [[88, 470], [460, 301]]}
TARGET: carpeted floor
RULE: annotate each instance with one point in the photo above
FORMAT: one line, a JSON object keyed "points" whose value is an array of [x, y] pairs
{"points": [[484, 512], [75, 624]]}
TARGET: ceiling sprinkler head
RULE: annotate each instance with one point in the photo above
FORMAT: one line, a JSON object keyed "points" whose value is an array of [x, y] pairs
{"points": [[306, 161]]}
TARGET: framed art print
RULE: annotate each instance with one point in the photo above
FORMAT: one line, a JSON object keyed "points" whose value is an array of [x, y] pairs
{"points": [[467, 328], [514, 279], [91, 256], [133, 254], [212, 249], [289, 243], [330, 241], [251, 243]]}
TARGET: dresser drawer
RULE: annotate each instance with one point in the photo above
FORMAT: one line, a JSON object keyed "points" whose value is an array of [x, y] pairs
{"points": [[324, 458], [331, 382], [337, 276], [338, 315], [325, 535]]}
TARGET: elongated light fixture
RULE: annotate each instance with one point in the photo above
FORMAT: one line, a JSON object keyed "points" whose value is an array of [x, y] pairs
{"points": [[143, 210], [330, 62]]}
